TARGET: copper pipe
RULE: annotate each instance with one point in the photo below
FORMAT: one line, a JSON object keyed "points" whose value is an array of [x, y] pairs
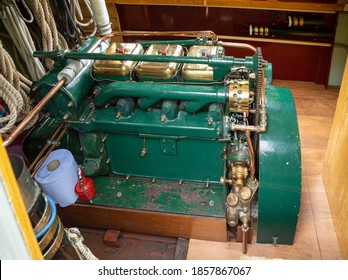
{"points": [[168, 33], [19, 129], [252, 156], [254, 128], [46, 146], [244, 239], [238, 45], [61, 134]]}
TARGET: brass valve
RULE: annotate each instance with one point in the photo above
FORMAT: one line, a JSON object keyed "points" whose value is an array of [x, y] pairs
{"points": [[224, 181], [239, 173]]}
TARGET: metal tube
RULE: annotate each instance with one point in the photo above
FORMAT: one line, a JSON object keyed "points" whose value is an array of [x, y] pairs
{"points": [[244, 240], [141, 57], [46, 146], [238, 45], [155, 33], [252, 155], [19, 129], [166, 33], [254, 128], [61, 134], [179, 42], [196, 93]]}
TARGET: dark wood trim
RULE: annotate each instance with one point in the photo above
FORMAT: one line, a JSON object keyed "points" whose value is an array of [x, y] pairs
{"points": [[155, 223], [317, 6]]}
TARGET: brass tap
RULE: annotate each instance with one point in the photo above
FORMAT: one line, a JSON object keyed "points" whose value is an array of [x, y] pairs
{"points": [[224, 181], [239, 173]]}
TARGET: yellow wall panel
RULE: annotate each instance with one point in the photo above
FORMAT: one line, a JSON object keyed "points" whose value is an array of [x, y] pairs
{"points": [[335, 173]]}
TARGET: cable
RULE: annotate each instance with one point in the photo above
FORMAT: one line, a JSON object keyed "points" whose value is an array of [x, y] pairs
{"points": [[50, 221]]}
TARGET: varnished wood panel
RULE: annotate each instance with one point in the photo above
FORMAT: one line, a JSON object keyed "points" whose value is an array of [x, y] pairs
{"points": [[156, 223], [335, 167], [319, 5], [300, 62]]}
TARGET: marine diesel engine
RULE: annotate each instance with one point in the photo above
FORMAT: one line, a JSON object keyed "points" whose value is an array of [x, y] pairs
{"points": [[179, 138]]}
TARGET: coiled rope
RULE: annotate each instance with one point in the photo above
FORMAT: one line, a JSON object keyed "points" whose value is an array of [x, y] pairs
{"points": [[14, 88], [50, 38], [21, 38]]}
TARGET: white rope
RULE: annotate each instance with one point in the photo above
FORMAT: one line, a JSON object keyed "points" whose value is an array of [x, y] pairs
{"points": [[10, 73], [21, 38], [75, 7], [76, 240], [14, 89], [14, 102], [51, 38], [24, 79], [47, 40]]}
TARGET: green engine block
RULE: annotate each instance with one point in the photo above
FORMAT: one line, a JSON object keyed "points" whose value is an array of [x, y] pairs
{"points": [[179, 127]]}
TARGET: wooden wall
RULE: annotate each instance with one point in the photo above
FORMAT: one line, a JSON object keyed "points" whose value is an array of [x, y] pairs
{"points": [[335, 173]]}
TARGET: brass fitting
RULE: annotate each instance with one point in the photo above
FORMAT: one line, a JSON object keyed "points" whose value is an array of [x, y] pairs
{"points": [[252, 184], [239, 173], [232, 217], [232, 199], [245, 194], [224, 181]]}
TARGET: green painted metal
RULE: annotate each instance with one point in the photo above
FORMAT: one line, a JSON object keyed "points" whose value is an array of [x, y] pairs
{"points": [[70, 97], [221, 65], [161, 196], [279, 170], [196, 96], [166, 133], [94, 153], [58, 54], [149, 122], [170, 109], [268, 72], [39, 136], [67, 100], [159, 156], [125, 106], [215, 111]]}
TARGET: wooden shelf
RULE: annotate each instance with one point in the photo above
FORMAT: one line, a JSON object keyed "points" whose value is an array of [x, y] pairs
{"points": [[289, 5]]}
